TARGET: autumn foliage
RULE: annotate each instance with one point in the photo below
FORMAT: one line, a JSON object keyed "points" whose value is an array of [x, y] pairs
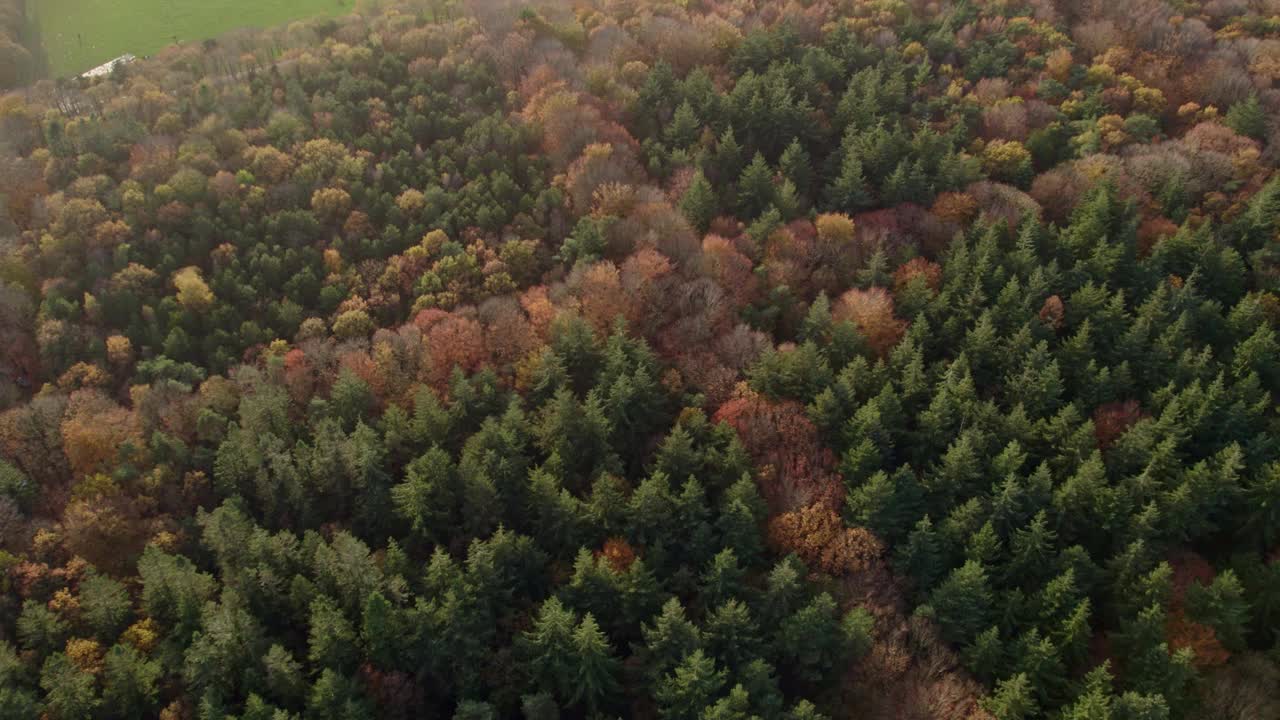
{"points": [[1110, 421], [872, 312], [362, 367], [618, 553], [821, 539], [797, 470]]}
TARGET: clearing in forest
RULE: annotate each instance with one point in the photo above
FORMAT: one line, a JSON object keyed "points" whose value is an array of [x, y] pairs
{"points": [[80, 34]]}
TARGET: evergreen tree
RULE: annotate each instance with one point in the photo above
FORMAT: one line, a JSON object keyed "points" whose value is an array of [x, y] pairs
{"points": [[539, 706], [548, 648], [755, 188], [726, 161], [428, 495], [1150, 666], [731, 634], [1222, 605], [669, 639], [848, 192], [332, 639], [685, 126], [1248, 118], [963, 602], [734, 706], [699, 203], [921, 558], [796, 165], [381, 631], [813, 638], [594, 678], [70, 692], [985, 656], [690, 689], [1013, 699], [130, 682], [336, 697]]}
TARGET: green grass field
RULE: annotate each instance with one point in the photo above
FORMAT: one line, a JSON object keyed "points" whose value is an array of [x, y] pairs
{"points": [[81, 34]]}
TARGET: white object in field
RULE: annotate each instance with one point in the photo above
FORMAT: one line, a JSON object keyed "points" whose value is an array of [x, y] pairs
{"points": [[106, 67]]}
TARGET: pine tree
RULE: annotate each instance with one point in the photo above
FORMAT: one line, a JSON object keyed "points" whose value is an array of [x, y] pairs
{"points": [[1097, 701], [783, 591], [690, 688], [921, 558], [430, 423], [985, 656], [817, 324], [1248, 118], [877, 271], [755, 188], [732, 636], [1036, 657], [788, 201], [1073, 634], [699, 203], [641, 595], [805, 710], [758, 679], [1262, 493], [548, 648], [796, 165], [332, 641], [727, 158], [594, 679], [539, 706], [1150, 667], [907, 183], [578, 432], [739, 522], [130, 682], [1224, 606], [723, 578], [1085, 500], [1013, 699], [963, 602], [104, 605], [381, 631], [336, 697], [734, 706], [669, 639], [1031, 549], [69, 692], [812, 640], [428, 495], [284, 677], [556, 515], [685, 127], [848, 192], [983, 545]]}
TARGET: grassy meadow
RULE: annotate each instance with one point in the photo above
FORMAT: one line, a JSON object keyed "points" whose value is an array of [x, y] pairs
{"points": [[80, 34]]}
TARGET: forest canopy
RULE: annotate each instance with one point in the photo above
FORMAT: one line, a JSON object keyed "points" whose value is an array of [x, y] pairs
{"points": [[695, 361]]}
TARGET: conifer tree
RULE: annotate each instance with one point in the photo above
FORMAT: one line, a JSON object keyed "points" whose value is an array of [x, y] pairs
{"points": [[964, 602], [755, 188], [699, 203], [848, 191], [686, 692], [796, 165], [1248, 118], [594, 678]]}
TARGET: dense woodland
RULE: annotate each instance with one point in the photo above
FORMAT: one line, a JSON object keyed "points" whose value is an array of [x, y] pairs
{"points": [[697, 361], [21, 59]]}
